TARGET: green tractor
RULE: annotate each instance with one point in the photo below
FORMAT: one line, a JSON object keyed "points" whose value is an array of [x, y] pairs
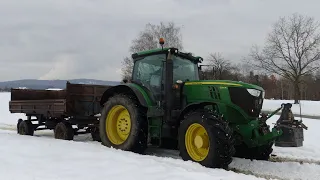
{"points": [[165, 104]]}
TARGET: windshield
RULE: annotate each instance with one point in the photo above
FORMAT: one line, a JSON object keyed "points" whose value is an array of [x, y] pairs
{"points": [[184, 69]]}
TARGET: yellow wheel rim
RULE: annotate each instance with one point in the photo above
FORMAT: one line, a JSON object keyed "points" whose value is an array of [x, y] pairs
{"points": [[197, 142], [118, 124]]}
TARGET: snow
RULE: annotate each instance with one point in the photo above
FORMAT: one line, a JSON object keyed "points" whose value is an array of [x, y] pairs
{"points": [[287, 170], [6, 118], [54, 89], [307, 107], [310, 148], [43, 157]]}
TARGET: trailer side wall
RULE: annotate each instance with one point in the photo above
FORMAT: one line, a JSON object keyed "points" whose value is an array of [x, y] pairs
{"points": [[83, 99], [78, 100]]}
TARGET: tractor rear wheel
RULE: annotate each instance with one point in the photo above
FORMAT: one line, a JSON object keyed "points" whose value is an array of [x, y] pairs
{"points": [[123, 124], [207, 139]]}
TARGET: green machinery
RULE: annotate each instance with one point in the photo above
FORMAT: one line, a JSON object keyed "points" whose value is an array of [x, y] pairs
{"points": [[165, 104]]}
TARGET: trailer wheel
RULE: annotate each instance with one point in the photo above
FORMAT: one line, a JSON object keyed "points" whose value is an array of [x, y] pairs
{"points": [[18, 123], [25, 127], [205, 138], [123, 124], [63, 130]]}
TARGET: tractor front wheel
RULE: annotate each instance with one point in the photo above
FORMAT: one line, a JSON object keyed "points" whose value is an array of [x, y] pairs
{"points": [[123, 124], [205, 138]]}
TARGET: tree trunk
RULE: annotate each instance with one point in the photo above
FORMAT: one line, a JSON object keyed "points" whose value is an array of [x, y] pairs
{"points": [[296, 92]]}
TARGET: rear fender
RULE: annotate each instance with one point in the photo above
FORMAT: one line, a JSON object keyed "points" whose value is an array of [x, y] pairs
{"points": [[129, 89]]}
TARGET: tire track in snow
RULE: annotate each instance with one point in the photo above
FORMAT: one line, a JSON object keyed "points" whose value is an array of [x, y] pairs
{"points": [[8, 127], [247, 172], [299, 160], [278, 170]]}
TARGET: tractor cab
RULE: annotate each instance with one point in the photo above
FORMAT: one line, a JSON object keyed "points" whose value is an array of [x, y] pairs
{"points": [[162, 71]]}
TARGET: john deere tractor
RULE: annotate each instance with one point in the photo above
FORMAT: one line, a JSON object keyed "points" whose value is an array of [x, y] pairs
{"points": [[165, 104]]}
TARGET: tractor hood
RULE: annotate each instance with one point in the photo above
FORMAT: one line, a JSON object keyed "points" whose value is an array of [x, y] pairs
{"points": [[225, 83], [248, 97]]}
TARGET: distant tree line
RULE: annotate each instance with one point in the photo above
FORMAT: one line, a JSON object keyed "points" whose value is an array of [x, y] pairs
{"points": [[287, 66], [275, 87], [5, 89]]}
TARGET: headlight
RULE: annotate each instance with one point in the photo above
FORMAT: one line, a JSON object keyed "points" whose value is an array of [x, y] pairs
{"points": [[263, 94], [254, 92]]}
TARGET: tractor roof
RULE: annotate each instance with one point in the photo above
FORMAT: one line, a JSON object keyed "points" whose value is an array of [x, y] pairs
{"points": [[151, 51], [164, 50]]}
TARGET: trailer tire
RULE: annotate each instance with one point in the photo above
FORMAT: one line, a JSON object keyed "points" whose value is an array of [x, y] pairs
{"points": [[18, 123], [25, 127], [63, 130], [123, 124], [206, 138]]}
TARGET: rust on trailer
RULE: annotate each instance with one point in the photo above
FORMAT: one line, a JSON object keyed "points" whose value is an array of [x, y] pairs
{"points": [[75, 100]]}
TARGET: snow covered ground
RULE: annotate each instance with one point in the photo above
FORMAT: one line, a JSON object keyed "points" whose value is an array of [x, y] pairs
{"points": [[43, 157], [310, 108]]}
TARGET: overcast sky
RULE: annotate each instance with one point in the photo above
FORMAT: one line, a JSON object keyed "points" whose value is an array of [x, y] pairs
{"points": [[64, 39]]}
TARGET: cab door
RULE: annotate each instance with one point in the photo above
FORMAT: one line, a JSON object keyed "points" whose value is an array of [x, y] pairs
{"points": [[148, 71]]}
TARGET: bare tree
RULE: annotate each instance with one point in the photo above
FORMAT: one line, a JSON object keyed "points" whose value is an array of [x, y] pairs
{"points": [[220, 65], [127, 67], [149, 39], [291, 50]]}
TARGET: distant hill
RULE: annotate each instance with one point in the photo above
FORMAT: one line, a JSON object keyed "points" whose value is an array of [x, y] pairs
{"points": [[45, 84]]}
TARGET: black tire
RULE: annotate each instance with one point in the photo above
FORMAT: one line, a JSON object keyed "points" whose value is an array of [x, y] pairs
{"points": [[18, 123], [221, 141], [257, 153], [95, 134], [25, 127], [138, 135], [63, 130]]}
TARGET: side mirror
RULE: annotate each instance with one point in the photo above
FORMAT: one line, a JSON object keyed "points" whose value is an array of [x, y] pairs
{"points": [[124, 80]]}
